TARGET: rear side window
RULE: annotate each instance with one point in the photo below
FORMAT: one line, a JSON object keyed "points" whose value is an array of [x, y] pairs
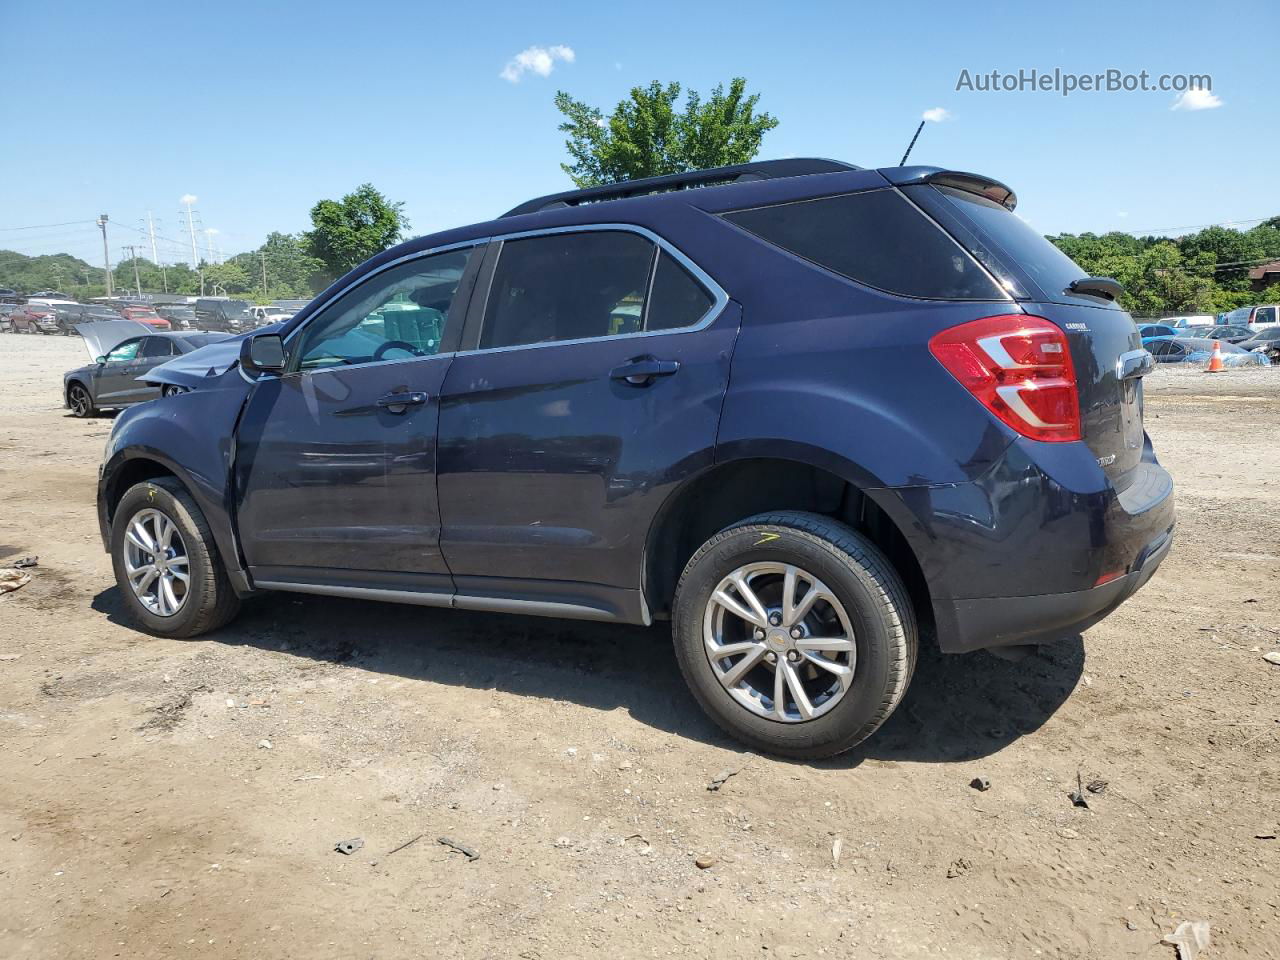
{"points": [[156, 347], [877, 238], [677, 299], [582, 286]]}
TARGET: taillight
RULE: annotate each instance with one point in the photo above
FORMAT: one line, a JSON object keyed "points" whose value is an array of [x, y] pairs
{"points": [[1019, 368]]}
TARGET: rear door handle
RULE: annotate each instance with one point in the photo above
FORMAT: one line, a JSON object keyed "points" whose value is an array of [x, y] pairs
{"points": [[400, 402], [642, 370]]}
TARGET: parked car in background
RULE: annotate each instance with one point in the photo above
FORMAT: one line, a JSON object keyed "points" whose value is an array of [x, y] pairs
{"points": [[144, 314], [1265, 341], [269, 314], [121, 351], [180, 316], [34, 318], [1255, 317], [6, 311], [1228, 333], [1148, 330], [223, 314], [634, 403], [95, 312], [1199, 350], [1185, 325], [8, 293], [50, 295]]}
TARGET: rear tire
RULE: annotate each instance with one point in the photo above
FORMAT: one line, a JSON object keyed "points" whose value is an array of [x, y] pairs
{"points": [[207, 600], [822, 711]]}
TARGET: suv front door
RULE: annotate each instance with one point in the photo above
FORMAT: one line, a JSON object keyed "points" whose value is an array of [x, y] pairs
{"points": [[335, 459], [591, 387]]}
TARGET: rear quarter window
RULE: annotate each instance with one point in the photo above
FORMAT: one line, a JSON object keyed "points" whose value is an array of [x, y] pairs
{"points": [[877, 238]]}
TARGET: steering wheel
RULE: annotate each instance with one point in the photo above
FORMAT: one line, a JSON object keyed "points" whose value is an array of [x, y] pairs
{"points": [[396, 344]]}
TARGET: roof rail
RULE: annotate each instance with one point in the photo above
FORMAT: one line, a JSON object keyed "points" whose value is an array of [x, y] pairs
{"points": [[760, 170]]}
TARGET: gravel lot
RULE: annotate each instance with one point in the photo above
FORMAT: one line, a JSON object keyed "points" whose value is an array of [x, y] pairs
{"points": [[144, 814]]}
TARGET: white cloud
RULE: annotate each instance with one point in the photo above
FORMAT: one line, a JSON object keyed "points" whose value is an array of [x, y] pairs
{"points": [[1122, 214], [1197, 100], [936, 115], [539, 60]]}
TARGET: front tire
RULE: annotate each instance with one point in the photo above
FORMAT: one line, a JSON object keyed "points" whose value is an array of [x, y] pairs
{"points": [[80, 401], [795, 634], [166, 562]]}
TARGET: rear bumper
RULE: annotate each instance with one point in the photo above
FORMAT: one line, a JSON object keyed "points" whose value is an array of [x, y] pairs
{"points": [[1008, 621], [1041, 547]]}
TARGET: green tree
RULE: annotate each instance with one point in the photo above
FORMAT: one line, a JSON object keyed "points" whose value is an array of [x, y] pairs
{"points": [[646, 135], [347, 232]]}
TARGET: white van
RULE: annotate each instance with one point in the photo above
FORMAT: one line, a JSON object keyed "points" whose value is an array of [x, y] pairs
{"points": [[1255, 318]]}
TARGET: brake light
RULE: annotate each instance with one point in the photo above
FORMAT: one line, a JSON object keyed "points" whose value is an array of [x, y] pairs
{"points": [[1019, 368]]}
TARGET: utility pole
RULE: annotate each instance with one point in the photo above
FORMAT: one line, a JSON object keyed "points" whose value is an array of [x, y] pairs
{"points": [[264, 274], [189, 199], [155, 255], [106, 256], [137, 280]]}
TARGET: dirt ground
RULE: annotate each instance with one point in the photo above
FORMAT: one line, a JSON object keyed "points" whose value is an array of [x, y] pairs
{"points": [[183, 798]]}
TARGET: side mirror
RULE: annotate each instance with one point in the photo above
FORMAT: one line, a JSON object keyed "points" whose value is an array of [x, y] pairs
{"points": [[100, 360], [262, 354]]}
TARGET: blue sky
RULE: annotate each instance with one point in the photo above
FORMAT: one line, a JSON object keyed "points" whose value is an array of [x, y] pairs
{"points": [[260, 109]]}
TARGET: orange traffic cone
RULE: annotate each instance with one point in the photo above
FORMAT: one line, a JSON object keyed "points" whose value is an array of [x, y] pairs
{"points": [[1215, 362]]}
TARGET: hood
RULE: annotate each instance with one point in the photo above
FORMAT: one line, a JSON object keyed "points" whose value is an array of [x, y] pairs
{"points": [[192, 369], [103, 336]]}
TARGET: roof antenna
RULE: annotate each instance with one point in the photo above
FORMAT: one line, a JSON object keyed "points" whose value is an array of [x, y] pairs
{"points": [[910, 145]]}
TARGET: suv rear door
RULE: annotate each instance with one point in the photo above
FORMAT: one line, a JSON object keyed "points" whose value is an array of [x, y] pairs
{"points": [[591, 385]]}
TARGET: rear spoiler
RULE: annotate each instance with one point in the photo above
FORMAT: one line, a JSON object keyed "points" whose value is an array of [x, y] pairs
{"points": [[974, 183]]}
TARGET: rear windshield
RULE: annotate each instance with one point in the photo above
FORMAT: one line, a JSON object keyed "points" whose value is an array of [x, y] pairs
{"points": [[877, 238], [1003, 242]]}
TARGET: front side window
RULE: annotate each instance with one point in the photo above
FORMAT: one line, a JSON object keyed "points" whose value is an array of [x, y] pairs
{"points": [[125, 351], [878, 238], [398, 314]]}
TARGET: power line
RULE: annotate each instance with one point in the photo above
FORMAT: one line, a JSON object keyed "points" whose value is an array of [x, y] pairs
{"points": [[43, 226]]}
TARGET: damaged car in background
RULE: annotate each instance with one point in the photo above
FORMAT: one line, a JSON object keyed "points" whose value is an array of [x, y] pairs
{"points": [[120, 352]]}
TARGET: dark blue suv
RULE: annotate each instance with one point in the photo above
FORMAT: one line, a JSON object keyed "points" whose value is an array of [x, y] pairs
{"points": [[808, 412]]}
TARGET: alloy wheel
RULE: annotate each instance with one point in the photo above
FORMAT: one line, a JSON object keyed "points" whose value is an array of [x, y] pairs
{"points": [[156, 563], [779, 641], [79, 401]]}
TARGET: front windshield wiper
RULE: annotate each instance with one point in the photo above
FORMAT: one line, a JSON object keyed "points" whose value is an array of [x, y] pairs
{"points": [[1097, 286]]}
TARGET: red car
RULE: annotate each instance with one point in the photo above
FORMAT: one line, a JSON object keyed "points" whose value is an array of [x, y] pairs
{"points": [[145, 315]]}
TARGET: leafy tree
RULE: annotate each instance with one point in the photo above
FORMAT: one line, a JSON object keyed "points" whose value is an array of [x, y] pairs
{"points": [[647, 136], [349, 231], [291, 271]]}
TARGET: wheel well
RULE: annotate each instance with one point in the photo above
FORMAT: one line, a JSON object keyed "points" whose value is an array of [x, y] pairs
{"points": [[73, 382], [132, 472], [734, 491]]}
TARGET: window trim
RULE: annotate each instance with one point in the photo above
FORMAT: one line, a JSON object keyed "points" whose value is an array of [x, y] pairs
{"points": [[720, 298]]}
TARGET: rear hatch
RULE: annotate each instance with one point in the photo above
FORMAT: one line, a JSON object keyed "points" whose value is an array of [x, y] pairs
{"points": [[1104, 342]]}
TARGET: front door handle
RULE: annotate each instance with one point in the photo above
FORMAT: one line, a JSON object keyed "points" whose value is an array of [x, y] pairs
{"points": [[642, 370], [400, 402]]}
